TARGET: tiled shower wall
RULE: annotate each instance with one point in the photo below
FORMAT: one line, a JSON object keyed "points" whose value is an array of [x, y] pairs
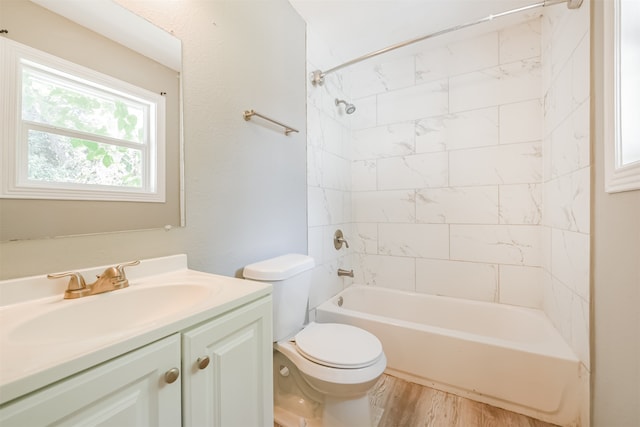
{"points": [[447, 169], [566, 173], [328, 176], [463, 172]]}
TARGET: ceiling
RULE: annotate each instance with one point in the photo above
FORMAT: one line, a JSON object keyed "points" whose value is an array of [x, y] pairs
{"points": [[352, 28]]}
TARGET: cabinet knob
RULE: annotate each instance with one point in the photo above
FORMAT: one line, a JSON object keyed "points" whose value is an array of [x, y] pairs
{"points": [[171, 375], [203, 362]]}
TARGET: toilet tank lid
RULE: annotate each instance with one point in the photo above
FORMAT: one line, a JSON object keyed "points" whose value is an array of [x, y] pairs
{"points": [[279, 268]]}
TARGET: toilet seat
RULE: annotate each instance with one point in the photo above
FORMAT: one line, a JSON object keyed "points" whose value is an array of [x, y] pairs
{"points": [[338, 345]]}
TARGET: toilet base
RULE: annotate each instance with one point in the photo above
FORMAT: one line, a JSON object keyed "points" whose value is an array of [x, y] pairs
{"points": [[336, 413], [347, 412]]}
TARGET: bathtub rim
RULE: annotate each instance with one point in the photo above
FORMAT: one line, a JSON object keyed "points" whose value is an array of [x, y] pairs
{"points": [[560, 349]]}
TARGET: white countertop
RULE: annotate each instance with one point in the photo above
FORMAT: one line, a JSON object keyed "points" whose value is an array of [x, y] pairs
{"points": [[26, 365]]}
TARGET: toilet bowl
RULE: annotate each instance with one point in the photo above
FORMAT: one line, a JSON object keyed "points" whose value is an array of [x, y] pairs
{"points": [[322, 371]]}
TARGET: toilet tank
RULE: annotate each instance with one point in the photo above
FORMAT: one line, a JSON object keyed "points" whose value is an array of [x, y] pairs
{"points": [[290, 276]]}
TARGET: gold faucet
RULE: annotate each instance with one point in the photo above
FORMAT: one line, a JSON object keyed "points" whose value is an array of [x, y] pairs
{"points": [[111, 279]]}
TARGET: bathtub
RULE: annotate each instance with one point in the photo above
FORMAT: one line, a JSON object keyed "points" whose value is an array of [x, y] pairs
{"points": [[506, 356]]}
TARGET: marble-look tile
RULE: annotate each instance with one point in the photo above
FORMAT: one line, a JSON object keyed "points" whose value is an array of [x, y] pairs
{"points": [[558, 100], [314, 166], [317, 214], [545, 245], [521, 122], [365, 238], [571, 260], [384, 141], [366, 115], [521, 285], [546, 158], [469, 129], [364, 175], [325, 283], [570, 143], [415, 102], [458, 279], [567, 201], [431, 134], [505, 164], [508, 83], [325, 206], [347, 208], [520, 41], [557, 305], [369, 79], [461, 57], [384, 206], [414, 240], [580, 329], [319, 53], [417, 171], [521, 204], [500, 244], [563, 29], [580, 72], [458, 205], [315, 244], [326, 133], [387, 271], [336, 172]]}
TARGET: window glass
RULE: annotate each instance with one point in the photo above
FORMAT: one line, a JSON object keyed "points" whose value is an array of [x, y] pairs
{"points": [[76, 134], [629, 81], [63, 159], [59, 100]]}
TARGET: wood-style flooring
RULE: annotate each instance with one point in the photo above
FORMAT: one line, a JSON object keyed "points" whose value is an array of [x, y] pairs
{"points": [[398, 403]]}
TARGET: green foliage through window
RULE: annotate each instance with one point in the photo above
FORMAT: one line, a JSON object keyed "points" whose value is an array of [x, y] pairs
{"points": [[81, 134]]}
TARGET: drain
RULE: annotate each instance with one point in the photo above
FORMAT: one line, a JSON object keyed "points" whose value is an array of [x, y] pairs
{"points": [[340, 301]]}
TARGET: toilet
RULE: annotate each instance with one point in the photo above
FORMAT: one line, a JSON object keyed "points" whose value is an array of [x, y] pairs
{"points": [[322, 371]]}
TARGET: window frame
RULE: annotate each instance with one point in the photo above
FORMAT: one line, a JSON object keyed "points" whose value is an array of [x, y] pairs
{"points": [[618, 176], [15, 184]]}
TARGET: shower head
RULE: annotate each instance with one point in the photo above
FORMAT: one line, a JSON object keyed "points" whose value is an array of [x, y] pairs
{"points": [[348, 108]]}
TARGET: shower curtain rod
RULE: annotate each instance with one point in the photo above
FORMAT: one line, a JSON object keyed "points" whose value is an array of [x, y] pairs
{"points": [[317, 77]]}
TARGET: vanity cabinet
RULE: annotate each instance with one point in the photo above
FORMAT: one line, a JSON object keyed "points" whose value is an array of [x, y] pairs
{"points": [[227, 365], [130, 390], [224, 379]]}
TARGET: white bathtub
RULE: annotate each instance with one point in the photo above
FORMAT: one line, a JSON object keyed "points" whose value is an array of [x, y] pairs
{"points": [[506, 356]]}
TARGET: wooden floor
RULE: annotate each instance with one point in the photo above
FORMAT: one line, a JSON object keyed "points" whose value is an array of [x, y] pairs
{"points": [[398, 403]]}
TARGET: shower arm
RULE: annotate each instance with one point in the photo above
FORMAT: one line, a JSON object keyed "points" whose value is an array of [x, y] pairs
{"points": [[317, 77]]}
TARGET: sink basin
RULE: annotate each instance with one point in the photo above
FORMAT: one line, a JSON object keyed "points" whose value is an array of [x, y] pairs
{"points": [[114, 313]]}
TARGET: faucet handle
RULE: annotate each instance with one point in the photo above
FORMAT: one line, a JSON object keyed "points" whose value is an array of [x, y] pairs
{"points": [[120, 268], [76, 288], [339, 240], [118, 273]]}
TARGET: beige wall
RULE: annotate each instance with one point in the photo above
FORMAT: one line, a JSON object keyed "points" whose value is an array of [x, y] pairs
{"points": [[37, 219], [616, 275], [245, 182]]}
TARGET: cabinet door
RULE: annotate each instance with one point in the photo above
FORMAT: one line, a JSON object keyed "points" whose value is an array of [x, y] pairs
{"points": [[235, 389], [130, 390]]}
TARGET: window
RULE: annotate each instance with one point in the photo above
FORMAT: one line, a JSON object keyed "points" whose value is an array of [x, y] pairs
{"points": [[74, 133], [622, 80]]}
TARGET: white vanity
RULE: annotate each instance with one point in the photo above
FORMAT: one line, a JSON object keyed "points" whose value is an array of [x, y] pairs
{"points": [[176, 347]]}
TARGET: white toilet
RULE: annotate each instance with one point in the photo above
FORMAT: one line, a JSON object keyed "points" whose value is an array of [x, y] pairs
{"points": [[322, 371]]}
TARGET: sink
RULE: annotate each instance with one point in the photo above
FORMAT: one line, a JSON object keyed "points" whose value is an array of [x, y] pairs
{"points": [[114, 313], [45, 338]]}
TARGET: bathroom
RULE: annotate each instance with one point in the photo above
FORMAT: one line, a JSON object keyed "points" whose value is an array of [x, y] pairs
{"points": [[252, 194]]}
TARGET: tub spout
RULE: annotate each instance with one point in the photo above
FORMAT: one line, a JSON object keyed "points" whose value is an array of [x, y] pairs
{"points": [[342, 272]]}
